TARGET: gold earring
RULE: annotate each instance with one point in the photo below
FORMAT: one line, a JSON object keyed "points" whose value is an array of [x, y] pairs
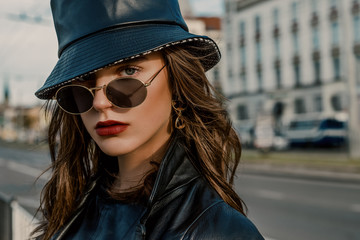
{"points": [[179, 122]]}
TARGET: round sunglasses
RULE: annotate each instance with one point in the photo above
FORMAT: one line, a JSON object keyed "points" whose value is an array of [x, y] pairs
{"points": [[121, 92]]}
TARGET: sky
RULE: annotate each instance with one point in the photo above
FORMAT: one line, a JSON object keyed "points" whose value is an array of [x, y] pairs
{"points": [[28, 45]]}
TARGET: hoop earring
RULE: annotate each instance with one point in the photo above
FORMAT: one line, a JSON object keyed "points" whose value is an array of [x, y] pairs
{"points": [[179, 121]]}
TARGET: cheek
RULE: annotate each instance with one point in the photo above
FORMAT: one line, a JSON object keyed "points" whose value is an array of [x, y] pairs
{"points": [[87, 120], [157, 105]]}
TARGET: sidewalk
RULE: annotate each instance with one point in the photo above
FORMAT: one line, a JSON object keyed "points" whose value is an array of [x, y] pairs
{"points": [[319, 164], [42, 146]]}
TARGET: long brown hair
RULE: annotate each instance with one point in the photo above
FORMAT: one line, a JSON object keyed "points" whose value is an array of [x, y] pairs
{"points": [[208, 127], [210, 140]]}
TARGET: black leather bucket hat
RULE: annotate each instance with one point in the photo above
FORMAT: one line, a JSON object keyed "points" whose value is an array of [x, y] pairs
{"points": [[98, 33]]}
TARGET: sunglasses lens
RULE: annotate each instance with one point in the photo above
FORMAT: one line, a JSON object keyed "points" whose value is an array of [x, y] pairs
{"points": [[126, 92], [74, 99]]}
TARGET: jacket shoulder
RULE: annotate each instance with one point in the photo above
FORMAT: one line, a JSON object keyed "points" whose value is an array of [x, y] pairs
{"points": [[220, 221]]}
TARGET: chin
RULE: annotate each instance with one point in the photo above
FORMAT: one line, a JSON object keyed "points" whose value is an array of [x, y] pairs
{"points": [[115, 148], [112, 152]]}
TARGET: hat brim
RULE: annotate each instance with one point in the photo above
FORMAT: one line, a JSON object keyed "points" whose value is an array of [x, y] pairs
{"points": [[108, 47]]}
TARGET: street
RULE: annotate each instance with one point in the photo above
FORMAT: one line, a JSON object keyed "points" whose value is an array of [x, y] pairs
{"points": [[19, 169], [283, 208], [297, 209]]}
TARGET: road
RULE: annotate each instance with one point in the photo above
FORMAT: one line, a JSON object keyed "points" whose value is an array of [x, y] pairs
{"points": [[19, 169], [282, 207], [299, 208]]}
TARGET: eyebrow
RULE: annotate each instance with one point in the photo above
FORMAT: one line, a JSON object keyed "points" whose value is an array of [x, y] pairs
{"points": [[130, 61]]}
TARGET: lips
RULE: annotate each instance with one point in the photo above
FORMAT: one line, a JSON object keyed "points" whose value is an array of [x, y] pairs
{"points": [[108, 128]]}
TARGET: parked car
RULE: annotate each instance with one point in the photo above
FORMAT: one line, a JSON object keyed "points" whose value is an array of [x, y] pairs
{"points": [[266, 137], [246, 135], [327, 132]]}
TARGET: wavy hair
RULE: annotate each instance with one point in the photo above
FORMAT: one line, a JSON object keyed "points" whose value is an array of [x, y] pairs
{"points": [[210, 141]]}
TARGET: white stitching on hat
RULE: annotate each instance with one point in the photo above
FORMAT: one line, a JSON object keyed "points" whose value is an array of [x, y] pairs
{"points": [[44, 93]]}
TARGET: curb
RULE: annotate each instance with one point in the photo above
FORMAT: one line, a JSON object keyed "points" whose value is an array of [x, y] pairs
{"points": [[298, 173]]}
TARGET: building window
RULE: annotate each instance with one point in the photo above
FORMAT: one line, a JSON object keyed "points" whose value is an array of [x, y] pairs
{"points": [[317, 71], [318, 104], [336, 102], [294, 10], [257, 24], [333, 3], [260, 79], [297, 74], [230, 73], [243, 56], [356, 28], [244, 81], [315, 37], [299, 106], [335, 33], [277, 47], [242, 28], [337, 68], [258, 52], [278, 76], [216, 74], [314, 5], [242, 112], [295, 37], [276, 17]]}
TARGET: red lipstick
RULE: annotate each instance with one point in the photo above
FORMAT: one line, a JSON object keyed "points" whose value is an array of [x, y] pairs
{"points": [[110, 127]]}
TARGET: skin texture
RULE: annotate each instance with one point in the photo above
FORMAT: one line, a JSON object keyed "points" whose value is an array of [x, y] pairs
{"points": [[147, 126]]}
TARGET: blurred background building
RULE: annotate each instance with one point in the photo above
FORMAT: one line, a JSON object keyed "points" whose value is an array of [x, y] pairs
{"points": [[210, 26], [286, 65], [289, 59]]}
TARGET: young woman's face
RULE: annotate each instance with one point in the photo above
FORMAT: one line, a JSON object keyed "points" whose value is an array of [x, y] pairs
{"points": [[138, 131]]}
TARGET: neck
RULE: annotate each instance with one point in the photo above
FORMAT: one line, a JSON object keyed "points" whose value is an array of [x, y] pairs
{"points": [[133, 168]]}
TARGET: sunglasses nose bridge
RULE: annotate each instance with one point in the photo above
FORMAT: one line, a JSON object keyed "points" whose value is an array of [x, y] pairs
{"points": [[94, 89], [100, 102]]}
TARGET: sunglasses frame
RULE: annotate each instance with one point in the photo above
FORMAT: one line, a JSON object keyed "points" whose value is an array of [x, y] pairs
{"points": [[92, 90]]}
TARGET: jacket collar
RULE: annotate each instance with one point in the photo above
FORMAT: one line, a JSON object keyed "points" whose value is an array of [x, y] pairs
{"points": [[175, 170]]}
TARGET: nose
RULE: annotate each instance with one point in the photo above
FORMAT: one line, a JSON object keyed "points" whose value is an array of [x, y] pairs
{"points": [[100, 102]]}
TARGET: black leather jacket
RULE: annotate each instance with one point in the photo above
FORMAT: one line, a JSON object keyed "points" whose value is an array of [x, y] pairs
{"points": [[184, 206]]}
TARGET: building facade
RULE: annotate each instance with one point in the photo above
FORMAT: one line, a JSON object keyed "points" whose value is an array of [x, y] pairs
{"points": [[209, 26], [289, 59]]}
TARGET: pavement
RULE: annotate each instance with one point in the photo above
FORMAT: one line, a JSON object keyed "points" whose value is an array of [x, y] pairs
{"points": [[319, 164]]}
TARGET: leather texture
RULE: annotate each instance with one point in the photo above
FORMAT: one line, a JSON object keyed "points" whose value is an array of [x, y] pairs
{"points": [[183, 206], [76, 19]]}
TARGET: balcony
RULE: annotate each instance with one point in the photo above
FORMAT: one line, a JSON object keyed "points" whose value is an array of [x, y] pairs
{"points": [[314, 20], [296, 59], [242, 41], [357, 49], [276, 32], [257, 36], [277, 63], [259, 67], [316, 55], [334, 14], [295, 26], [335, 52], [355, 8]]}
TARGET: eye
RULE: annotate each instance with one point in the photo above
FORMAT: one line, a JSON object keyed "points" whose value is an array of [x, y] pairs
{"points": [[129, 71]]}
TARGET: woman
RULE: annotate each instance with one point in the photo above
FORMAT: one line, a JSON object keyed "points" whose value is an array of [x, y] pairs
{"points": [[141, 147]]}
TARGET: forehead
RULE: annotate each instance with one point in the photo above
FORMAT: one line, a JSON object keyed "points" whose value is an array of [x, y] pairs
{"points": [[133, 61], [92, 76]]}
